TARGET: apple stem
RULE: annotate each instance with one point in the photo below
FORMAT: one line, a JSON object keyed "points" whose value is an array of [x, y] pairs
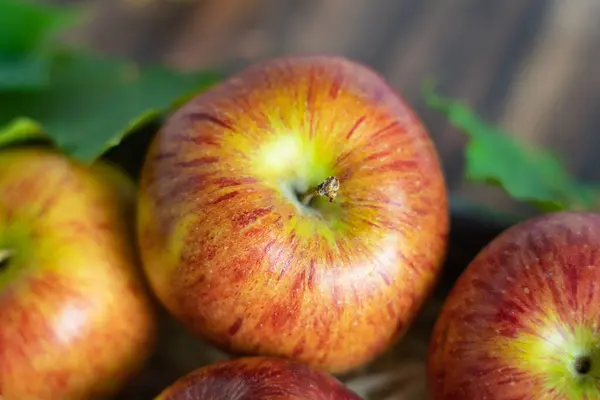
{"points": [[5, 255], [328, 188]]}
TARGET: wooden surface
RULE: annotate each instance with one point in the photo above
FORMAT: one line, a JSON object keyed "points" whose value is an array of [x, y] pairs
{"points": [[529, 65]]}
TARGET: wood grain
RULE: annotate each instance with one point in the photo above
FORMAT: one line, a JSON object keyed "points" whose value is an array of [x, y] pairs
{"points": [[529, 66]]}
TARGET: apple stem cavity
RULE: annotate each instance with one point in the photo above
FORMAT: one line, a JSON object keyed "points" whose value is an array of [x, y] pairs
{"points": [[328, 188], [583, 365], [5, 256]]}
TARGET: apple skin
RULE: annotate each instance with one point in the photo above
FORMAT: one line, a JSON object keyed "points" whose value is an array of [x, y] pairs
{"points": [[257, 378], [521, 314], [232, 253], [76, 321]]}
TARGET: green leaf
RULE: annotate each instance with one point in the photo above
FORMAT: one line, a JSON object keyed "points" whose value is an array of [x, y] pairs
{"points": [[26, 33], [21, 131], [92, 103], [527, 174], [176, 88], [24, 73], [26, 25]]}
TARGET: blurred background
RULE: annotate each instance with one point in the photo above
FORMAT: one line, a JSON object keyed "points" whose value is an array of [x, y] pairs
{"points": [[530, 66]]}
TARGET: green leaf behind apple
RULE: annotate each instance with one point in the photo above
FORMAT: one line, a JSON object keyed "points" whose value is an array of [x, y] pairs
{"points": [[87, 104], [26, 37], [92, 102], [527, 174]]}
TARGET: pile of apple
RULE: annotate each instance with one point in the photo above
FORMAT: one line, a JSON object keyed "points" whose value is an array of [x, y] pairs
{"points": [[295, 216]]}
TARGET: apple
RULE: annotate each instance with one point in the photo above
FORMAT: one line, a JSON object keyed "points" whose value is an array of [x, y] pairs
{"points": [[76, 321], [298, 210], [523, 320], [257, 378]]}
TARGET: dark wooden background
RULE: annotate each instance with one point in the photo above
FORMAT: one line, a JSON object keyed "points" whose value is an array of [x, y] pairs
{"points": [[531, 66]]}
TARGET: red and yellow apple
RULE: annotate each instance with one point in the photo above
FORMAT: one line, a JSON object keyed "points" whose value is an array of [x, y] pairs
{"points": [[297, 209], [75, 318], [523, 320], [257, 378]]}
